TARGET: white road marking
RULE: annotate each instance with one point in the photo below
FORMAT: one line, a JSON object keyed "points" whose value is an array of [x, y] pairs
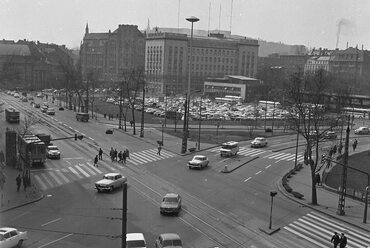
{"points": [[258, 172], [94, 168], [82, 171], [47, 223], [268, 166], [56, 240], [75, 172], [247, 179], [55, 178], [62, 176], [40, 182]]}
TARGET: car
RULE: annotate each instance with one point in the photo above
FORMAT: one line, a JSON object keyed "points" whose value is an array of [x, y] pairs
{"points": [[24, 99], [30, 98], [135, 240], [61, 108], [44, 109], [362, 130], [53, 152], [171, 204], [110, 182], [259, 142], [50, 111], [168, 240], [230, 148], [11, 237], [16, 95], [37, 105], [198, 161], [330, 135]]}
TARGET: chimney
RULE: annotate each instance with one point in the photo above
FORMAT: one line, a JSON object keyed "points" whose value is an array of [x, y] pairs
{"points": [[347, 44]]}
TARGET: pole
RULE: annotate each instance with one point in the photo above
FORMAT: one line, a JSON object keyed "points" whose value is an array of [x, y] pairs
{"points": [[87, 96], [162, 132], [124, 214], [165, 109], [142, 114], [342, 194], [273, 121], [272, 194], [200, 122], [266, 113], [366, 203], [296, 145], [120, 107]]}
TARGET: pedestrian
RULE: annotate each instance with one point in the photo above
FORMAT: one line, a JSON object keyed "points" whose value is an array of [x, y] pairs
{"points": [[100, 154], [354, 145], [343, 241], [159, 149], [120, 156], [105, 116], [19, 181], [115, 154], [335, 149], [127, 153], [318, 179], [340, 147], [111, 153], [335, 239], [96, 159], [124, 157], [25, 182], [131, 122]]}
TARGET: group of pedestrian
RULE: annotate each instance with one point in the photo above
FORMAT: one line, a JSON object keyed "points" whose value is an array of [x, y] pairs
{"points": [[339, 240], [19, 180], [120, 156]]}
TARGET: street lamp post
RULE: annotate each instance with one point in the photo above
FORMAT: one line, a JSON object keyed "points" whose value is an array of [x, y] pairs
{"points": [[200, 122], [142, 114], [162, 132], [272, 194], [187, 101]]}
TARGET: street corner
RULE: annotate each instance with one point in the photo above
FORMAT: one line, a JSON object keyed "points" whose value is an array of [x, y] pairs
{"points": [[231, 166]]}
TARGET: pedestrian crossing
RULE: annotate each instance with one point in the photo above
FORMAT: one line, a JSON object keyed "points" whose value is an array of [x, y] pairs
{"points": [[317, 229], [77, 169], [252, 152]]}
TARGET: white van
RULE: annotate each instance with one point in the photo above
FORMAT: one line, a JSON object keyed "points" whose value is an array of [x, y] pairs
{"points": [[230, 148]]}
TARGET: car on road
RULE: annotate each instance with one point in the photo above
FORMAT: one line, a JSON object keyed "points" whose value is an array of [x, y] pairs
{"points": [[50, 111], [171, 204], [362, 130], [259, 142], [330, 135], [11, 237], [53, 152], [110, 182], [198, 161], [135, 240], [230, 148], [37, 105], [44, 109], [168, 240]]}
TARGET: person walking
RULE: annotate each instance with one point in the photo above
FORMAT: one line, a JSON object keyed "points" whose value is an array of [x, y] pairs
{"points": [[335, 239], [343, 241], [335, 149], [100, 154], [127, 153], [340, 146], [120, 156], [96, 159], [124, 156], [25, 182], [111, 153], [19, 181], [159, 150], [354, 145], [115, 155]]}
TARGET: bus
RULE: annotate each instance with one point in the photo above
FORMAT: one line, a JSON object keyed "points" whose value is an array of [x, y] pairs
{"points": [[269, 104], [357, 112], [12, 115]]}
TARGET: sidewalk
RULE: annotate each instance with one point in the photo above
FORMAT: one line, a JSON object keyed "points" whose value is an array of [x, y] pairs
{"points": [[327, 200]]}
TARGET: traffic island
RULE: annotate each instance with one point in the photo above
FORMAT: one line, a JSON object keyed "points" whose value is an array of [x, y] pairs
{"points": [[234, 165], [268, 230]]}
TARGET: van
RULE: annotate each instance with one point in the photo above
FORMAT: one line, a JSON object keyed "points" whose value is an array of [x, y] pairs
{"points": [[168, 240], [230, 148], [82, 116]]}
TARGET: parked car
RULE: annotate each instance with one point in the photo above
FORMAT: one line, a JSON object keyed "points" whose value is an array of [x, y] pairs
{"points": [[11, 237], [362, 130], [61, 108], [53, 152], [50, 111], [330, 135], [198, 161], [44, 109], [37, 105], [135, 240], [170, 240], [171, 204], [259, 142], [110, 182]]}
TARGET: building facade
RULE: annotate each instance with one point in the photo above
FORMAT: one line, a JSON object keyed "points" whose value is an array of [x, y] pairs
{"points": [[167, 60], [106, 56]]}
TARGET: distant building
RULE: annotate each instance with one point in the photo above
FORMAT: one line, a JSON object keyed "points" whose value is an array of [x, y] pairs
{"points": [[167, 59], [289, 63], [33, 65], [105, 56], [233, 85], [318, 59]]}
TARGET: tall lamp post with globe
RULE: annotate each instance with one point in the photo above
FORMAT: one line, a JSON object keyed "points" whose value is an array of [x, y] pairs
{"points": [[191, 19]]}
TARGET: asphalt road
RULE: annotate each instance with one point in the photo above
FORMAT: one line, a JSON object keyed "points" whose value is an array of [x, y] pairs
{"points": [[219, 209]]}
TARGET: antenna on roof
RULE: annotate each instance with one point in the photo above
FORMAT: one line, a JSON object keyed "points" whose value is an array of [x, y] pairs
{"points": [[231, 15], [178, 17], [219, 20], [209, 16]]}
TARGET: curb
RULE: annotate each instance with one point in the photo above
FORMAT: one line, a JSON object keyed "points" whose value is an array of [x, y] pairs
{"points": [[23, 204], [287, 195], [237, 167]]}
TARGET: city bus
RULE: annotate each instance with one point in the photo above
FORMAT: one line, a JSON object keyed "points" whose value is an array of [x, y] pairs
{"points": [[12, 115], [357, 112]]}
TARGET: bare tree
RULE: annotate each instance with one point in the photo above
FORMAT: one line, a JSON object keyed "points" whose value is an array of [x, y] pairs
{"points": [[28, 122], [305, 102]]}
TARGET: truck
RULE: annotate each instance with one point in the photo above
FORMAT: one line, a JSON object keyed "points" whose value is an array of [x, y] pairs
{"points": [[12, 115], [46, 138], [32, 150]]}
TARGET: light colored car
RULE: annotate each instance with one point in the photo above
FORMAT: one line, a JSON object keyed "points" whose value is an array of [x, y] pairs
{"points": [[230, 148], [259, 142], [330, 135], [171, 204], [169, 240], [50, 111], [135, 240], [11, 237], [110, 182], [198, 161], [44, 109], [53, 152], [362, 130]]}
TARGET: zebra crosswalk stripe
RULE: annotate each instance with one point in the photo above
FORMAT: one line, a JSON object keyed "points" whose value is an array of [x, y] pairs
{"points": [[60, 174], [82, 171], [40, 182], [94, 168], [88, 169], [75, 172], [46, 181], [55, 178]]}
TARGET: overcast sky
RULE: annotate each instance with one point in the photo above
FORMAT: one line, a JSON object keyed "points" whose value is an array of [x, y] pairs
{"points": [[313, 23]]}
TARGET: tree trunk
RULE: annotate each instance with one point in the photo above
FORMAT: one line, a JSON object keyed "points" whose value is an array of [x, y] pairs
{"points": [[313, 188]]}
